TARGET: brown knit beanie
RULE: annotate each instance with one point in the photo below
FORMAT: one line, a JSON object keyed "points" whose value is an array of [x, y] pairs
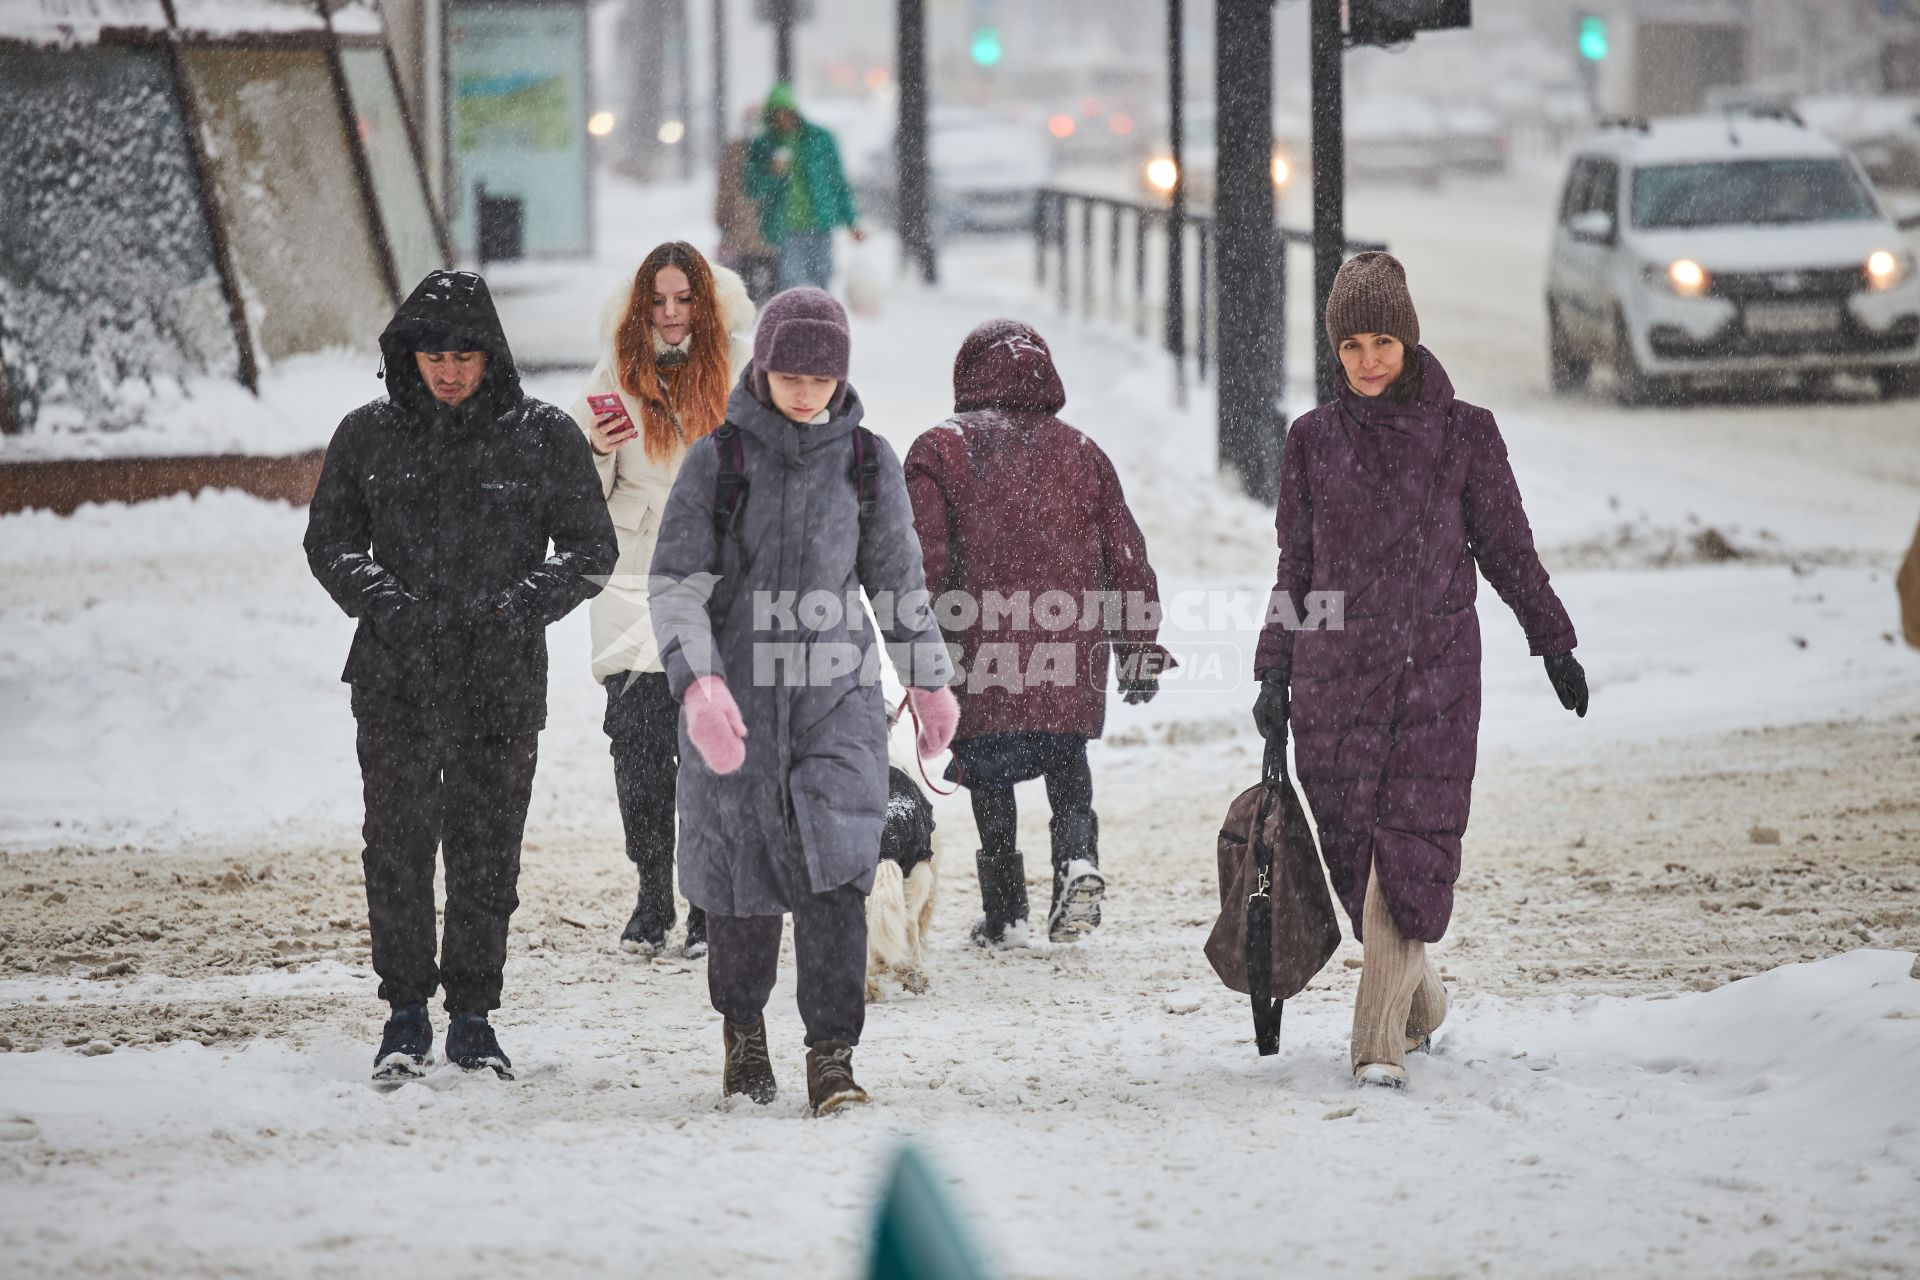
{"points": [[1370, 296]]}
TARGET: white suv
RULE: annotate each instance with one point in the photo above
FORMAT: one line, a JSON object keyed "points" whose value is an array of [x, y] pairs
{"points": [[1723, 247]]}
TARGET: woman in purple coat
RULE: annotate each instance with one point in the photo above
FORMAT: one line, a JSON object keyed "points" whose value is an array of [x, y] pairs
{"points": [[1390, 497]]}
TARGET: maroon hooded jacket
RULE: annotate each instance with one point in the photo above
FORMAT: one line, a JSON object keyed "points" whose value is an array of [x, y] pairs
{"points": [[1009, 499], [1385, 713]]}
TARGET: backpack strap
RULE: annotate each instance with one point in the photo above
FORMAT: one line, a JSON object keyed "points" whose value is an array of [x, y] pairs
{"points": [[865, 472], [729, 483], [729, 500]]}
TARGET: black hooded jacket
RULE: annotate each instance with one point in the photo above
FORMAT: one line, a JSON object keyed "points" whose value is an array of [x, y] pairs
{"points": [[430, 525]]}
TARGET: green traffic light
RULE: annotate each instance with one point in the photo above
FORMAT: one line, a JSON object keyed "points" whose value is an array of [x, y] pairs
{"points": [[1593, 38], [986, 48]]}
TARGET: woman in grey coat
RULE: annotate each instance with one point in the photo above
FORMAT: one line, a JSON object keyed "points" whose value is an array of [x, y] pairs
{"points": [[764, 549]]}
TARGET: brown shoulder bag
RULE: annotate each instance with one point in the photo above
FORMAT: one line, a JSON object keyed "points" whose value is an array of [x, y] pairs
{"points": [[1276, 928]]}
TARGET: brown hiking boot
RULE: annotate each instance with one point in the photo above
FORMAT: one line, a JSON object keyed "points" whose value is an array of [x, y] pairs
{"points": [[830, 1082], [749, 1068]]}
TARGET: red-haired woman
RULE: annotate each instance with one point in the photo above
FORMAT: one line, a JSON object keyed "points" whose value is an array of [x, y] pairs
{"points": [[677, 337]]}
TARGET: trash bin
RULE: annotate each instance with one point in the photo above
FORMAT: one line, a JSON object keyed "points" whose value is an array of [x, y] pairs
{"points": [[502, 226]]}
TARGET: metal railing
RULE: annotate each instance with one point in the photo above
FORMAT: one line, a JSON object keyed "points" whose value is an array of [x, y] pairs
{"points": [[1068, 221]]}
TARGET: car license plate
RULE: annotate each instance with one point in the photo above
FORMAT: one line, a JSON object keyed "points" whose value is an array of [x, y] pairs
{"points": [[1793, 318]]}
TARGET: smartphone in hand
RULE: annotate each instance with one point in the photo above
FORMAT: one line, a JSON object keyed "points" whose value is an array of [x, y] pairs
{"points": [[609, 404]]}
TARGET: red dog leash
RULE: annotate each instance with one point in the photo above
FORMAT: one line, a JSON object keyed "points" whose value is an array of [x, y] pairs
{"points": [[906, 703]]}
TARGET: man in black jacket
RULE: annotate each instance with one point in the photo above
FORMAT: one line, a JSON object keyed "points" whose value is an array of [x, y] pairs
{"points": [[430, 525]]}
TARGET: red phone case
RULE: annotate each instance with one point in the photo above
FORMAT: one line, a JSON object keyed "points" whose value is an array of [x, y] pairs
{"points": [[605, 404]]}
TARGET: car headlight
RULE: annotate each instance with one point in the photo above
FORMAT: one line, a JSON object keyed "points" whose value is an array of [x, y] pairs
{"points": [[1686, 277], [1162, 174], [1683, 277], [1886, 268]]}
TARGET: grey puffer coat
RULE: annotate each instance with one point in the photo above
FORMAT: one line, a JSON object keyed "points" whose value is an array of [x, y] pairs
{"points": [[803, 813]]}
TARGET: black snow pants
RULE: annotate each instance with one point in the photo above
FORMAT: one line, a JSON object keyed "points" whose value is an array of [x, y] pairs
{"points": [[426, 791], [830, 958], [991, 764], [642, 725]]}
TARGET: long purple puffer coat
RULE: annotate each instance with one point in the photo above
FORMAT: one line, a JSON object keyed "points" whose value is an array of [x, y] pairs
{"points": [[1385, 713]]}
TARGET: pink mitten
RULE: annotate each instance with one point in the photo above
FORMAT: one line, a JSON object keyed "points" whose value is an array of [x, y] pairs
{"points": [[938, 712], [714, 724]]}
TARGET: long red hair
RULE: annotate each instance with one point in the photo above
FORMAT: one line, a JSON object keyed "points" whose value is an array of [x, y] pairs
{"points": [[700, 386]]}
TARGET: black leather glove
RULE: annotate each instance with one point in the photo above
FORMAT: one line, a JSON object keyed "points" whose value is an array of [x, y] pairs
{"points": [[1141, 684], [1569, 681], [1270, 710]]}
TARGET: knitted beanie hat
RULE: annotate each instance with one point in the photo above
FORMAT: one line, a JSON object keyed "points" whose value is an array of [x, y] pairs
{"points": [[802, 331], [1370, 296]]}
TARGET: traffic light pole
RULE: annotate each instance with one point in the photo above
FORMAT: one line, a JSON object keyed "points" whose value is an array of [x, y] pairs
{"points": [[1251, 380], [910, 139], [1326, 41], [782, 13], [1177, 203], [721, 124], [683, 71]]}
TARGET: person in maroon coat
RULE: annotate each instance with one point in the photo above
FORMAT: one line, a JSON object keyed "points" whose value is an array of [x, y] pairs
{"points": [[1390, 497], [1044, 580]]}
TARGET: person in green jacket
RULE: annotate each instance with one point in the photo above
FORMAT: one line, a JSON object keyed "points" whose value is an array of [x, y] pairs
{"points": [[793, 173]]}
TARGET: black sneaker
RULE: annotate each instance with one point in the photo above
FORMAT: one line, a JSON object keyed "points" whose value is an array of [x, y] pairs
{"points": [[749, 1068], [405, 1044], [696, 943], [472, 1046], [994, 935]]}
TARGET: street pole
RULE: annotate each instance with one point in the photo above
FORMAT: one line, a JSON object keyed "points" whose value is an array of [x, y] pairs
{"points": [[720, 121], [683, 68], [910, 138], [643, 29], [1329, 177], [1177, 203], [782, 11], [1249, 371]]}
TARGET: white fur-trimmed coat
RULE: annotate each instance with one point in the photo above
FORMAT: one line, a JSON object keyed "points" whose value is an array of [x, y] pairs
{"points": [[636, 488]]}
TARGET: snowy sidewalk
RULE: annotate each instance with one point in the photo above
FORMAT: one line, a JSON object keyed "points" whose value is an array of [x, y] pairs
{"points": [[188, 1012]]}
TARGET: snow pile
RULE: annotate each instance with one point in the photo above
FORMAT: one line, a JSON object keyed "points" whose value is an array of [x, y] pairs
{"points": [[301, 401]]}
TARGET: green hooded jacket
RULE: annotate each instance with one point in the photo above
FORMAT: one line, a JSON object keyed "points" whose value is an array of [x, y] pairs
{"points": [[816, 159]]}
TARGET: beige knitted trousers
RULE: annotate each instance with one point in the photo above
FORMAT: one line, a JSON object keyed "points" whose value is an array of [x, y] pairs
{"points": [[1401, 1000]]}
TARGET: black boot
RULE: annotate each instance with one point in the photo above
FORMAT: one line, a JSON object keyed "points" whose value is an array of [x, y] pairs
{"points": [[405, 1043], [696, 943], [646, 932], [1003, 898], [749, 1068], [472, 1046], [1078, 886]]}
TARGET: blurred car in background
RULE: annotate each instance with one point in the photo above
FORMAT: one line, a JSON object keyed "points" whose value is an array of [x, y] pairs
{"points": [[1199, 154], [985, 167], [1473, 139], [1882, 132], [1388, 139], [1395, 139], [1727, 246], [1096, 111]]}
